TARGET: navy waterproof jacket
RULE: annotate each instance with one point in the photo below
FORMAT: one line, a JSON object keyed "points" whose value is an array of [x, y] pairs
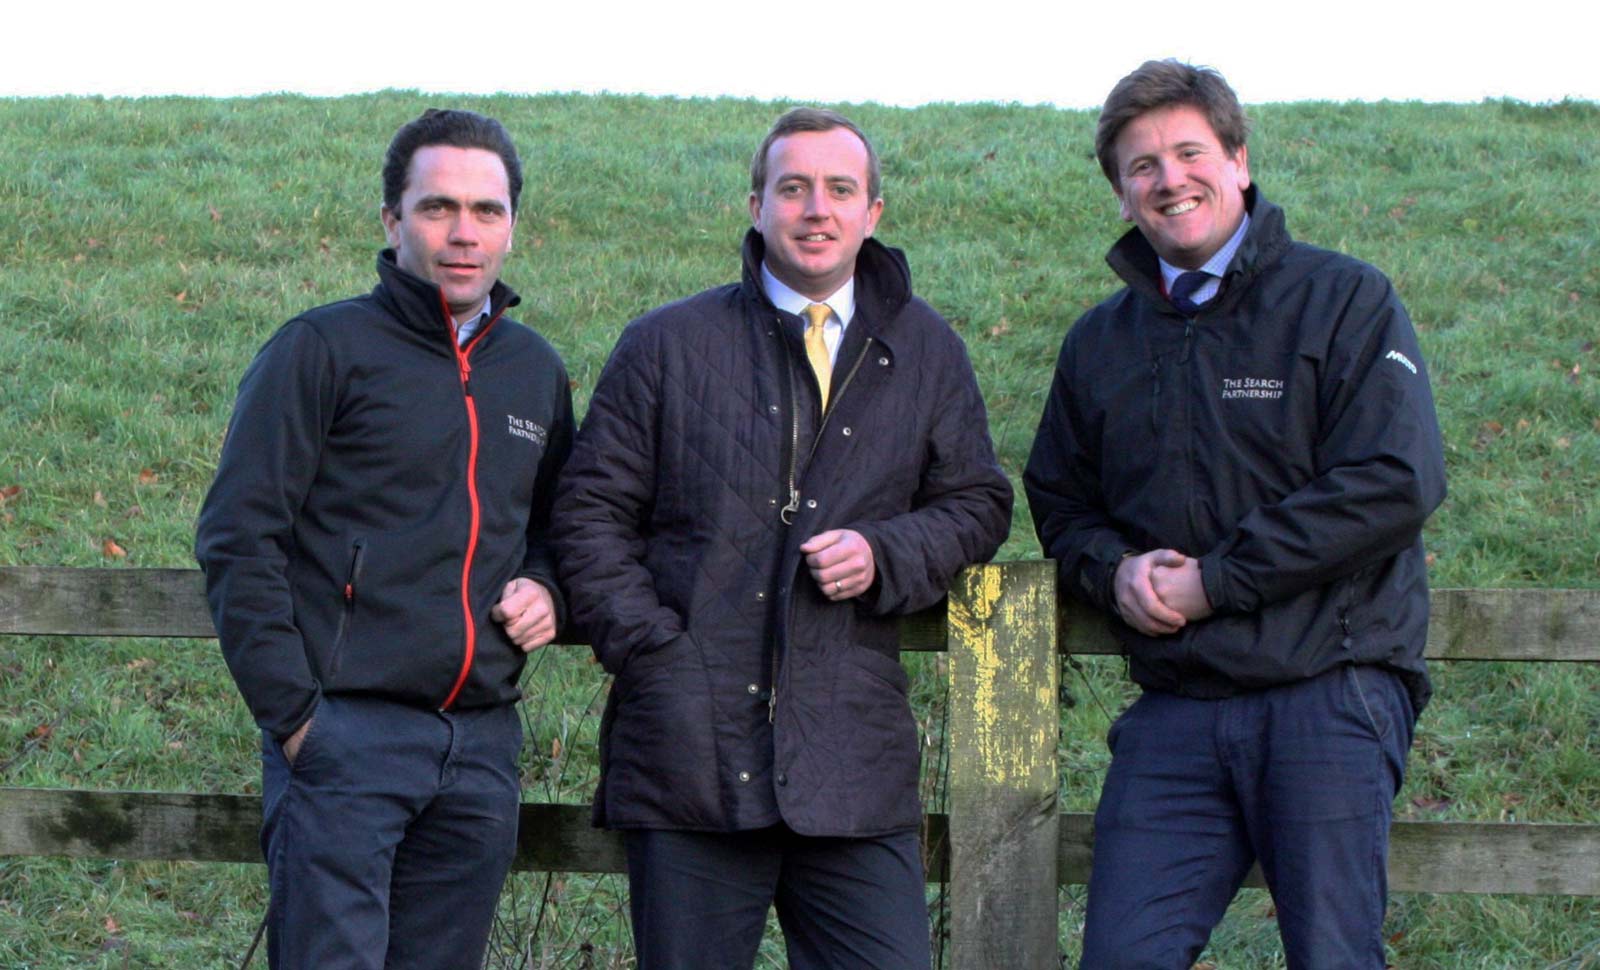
{"points": [[377, 489], [1285, 436], [701, 467]]}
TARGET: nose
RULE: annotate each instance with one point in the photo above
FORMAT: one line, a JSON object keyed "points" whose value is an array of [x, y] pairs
{"points": [[464, 230], [816, 202], [1170, 174]]}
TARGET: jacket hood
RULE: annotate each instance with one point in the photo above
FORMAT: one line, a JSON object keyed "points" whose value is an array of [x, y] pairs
{"points": [[419, 303], [883, 276]]}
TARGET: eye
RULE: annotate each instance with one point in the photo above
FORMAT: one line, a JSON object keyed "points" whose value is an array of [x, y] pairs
{"points": [[843, 191]]}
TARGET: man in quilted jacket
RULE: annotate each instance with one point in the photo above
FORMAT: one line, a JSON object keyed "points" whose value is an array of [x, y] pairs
{"points": [[770, 474]]}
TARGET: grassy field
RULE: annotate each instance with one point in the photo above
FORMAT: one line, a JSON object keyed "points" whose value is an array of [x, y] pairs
{"points": [[150, 246]]}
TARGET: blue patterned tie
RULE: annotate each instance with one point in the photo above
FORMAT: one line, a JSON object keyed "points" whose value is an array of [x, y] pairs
{"points": [[1183, 290]]}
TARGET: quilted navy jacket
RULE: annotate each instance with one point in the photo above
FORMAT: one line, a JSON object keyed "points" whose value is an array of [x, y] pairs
{"points": [[678, 534]]}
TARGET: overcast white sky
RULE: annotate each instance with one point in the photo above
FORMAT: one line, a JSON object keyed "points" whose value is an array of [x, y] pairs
{"points": [[891, 51]]}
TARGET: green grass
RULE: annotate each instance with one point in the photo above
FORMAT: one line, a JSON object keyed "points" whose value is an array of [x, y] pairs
{"points": [[150, 246]]}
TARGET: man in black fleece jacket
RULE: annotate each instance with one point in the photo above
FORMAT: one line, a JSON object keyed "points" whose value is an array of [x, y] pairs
{"points": [[375, 558]]}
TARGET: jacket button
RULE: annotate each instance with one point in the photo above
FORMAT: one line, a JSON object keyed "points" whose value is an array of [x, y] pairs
{"points": [[761, 595], [811, 503], [1347, 643], [754, 689], [783, 779], [847, 431], [883, 362], [772, 502], [744, 776], [772, 408]]}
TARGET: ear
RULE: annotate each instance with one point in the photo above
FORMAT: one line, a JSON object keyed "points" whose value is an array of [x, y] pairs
{"points": [[1123, 209], [1242, 160], [755, 210], [874, 213], [391, 225]]}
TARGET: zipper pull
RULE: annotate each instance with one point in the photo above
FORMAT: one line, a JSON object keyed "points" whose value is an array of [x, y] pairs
{"points": [[787, 512], [466, 373], [772, 706]]}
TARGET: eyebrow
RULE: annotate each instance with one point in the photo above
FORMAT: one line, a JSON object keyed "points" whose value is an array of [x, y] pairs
{"points": [[455, 203], [797, 177]]}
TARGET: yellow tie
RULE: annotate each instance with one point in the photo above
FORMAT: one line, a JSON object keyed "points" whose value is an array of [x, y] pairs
{"points": [[816, 349]]}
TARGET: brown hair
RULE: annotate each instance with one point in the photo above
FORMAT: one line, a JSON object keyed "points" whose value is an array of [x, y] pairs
{"points": [[1163, 84], [811, 119]]}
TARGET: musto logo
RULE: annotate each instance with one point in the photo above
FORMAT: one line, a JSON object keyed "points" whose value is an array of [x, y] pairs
{"points": [[523, 428], [1258, 387]]}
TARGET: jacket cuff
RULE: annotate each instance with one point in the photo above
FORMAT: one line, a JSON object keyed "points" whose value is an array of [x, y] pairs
{"points": [[1211, 579]]}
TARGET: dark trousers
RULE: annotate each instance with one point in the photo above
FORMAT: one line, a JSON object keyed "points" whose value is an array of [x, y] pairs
{"points": [[1301, 777], [388, 839], [699, 901]]}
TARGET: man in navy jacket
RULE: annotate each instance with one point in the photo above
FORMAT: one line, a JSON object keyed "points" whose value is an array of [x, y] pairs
{"points": [[1235, 461], [770, 473], [376, 563]]}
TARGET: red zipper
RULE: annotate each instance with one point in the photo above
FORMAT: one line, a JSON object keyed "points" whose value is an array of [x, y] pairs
{"points": [[464, 368]]}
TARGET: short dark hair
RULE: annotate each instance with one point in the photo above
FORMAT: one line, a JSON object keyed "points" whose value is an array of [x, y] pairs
{"points": [[1163, 84], [453, 127], [812, 119]]}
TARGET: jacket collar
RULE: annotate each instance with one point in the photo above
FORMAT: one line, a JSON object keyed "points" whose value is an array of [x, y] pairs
{"points": [[419, 304], [883, 281], [1135, 261]]}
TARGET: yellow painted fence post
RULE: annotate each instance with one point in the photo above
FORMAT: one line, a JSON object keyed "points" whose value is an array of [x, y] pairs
{"points": [[1004, 724]]}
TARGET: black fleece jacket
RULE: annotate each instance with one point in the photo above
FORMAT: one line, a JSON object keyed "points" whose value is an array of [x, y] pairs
{"points": [[377, 489]]}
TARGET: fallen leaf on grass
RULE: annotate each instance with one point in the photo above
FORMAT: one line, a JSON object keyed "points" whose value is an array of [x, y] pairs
{"points": [[215, 215], [111, 925], [1430, 559], [139, 664], [1000, 329], [111, 550], [147, 476], [1427, 804], [42, 731], [9, 492], [100, 498], [182, 296]]}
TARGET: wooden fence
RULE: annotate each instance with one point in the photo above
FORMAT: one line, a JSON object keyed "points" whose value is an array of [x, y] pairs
{"points": [[1003, 847]]}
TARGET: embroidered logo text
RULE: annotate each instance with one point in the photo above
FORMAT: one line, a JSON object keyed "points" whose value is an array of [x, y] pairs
{"points": [[1257, 387], [1397, 355], [523, 428]]}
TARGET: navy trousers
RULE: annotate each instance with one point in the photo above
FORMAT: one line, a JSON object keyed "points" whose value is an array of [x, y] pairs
{"points": [[1301, 777], [388, 839], [699, 900]]}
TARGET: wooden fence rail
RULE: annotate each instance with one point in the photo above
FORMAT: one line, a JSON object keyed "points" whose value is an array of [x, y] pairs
{"points": [[1004, 846]]}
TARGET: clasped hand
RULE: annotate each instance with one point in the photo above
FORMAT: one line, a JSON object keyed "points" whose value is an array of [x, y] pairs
{"points": [[1159, 592]]}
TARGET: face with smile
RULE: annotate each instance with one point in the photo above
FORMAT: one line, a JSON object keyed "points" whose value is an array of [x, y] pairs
{"points": [[454, 222], [1179, 185], [814, 211]]}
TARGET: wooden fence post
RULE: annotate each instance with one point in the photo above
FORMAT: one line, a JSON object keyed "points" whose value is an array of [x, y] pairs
{"points": [[1004, 724]]}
